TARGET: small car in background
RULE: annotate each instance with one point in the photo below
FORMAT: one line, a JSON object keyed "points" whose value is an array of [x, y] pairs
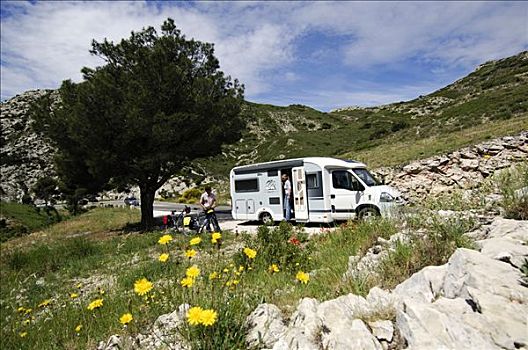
{"points": [[132, 201]]}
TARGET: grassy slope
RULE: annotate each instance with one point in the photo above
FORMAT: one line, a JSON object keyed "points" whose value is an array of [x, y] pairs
{"points": [[104, 262]]}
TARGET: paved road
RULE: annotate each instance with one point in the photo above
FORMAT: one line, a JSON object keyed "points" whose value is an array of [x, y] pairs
{"points": [[223, 212]]}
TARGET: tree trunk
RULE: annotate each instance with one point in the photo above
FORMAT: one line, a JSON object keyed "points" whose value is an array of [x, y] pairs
{"points": [[147, 207]]}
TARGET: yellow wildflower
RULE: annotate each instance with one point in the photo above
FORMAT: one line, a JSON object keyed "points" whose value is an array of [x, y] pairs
{"points": [[79, 285], [241, 268], [195, 241], [78, 328], [126, 318], [95, 304], [213, 275], [101, 291], [228, 283], [237, 273], [165, 239], [142, 286], [26, 322], [226, 270], [273, 268], [208, 317], [163, 257], [28, 311], [302, 277], [190, 253], [22, 334], [187, 282], [74, 295], [215, 237], [194, 315], [250, 253], [235, 282], [193, 271], [21, 309], [231, 265], [44, 303]]}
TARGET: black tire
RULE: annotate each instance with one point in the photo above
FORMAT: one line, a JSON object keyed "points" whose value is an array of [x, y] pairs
{"points": [[266, 218], [368, 213]]}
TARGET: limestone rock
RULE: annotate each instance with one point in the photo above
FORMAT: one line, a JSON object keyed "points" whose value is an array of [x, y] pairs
{"points": [[424, 286], [348, 335], [382, 330], [265, 325]]}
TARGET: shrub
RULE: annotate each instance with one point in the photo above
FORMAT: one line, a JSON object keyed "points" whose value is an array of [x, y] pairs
{"points": [[513, 185], [281, 245], [443, 236], [190, 195]]}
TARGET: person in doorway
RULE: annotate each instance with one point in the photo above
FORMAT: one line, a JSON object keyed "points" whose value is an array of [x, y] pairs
{"points": [[287, 196], [208, 203]]}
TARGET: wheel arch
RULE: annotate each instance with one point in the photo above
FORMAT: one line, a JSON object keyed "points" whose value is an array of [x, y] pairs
{"points": [[362, 206]]}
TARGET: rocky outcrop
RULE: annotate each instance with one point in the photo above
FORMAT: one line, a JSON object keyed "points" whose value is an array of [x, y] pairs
{"points": [[462, 169], [164, 334], [25, 156], [477, 300]]}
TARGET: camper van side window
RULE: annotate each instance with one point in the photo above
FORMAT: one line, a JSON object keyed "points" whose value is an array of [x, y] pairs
{"points": [[343, 179], [311, 181], [250, 185]]}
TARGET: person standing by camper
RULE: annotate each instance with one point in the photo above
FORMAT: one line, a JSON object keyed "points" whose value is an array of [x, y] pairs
{"points": [[208, 203], [287, 196]]}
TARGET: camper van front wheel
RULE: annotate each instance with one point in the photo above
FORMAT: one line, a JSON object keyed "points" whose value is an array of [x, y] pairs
{"points": [[266, 218], [368, 213]]}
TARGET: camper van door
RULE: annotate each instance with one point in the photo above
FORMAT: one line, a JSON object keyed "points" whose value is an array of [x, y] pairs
{"points": [[344, 194], [300, 202]]}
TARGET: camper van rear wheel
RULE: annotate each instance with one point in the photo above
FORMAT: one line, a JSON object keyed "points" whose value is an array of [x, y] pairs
{"points": [[266, 218], [368, 213]]}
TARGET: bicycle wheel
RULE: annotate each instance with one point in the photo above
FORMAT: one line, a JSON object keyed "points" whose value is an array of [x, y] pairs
{"points": [[178, 225]]}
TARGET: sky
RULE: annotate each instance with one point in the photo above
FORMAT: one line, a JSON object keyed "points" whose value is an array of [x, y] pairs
{"points": [[321, 54]]}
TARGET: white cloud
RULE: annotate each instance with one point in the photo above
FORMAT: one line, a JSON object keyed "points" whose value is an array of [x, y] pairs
{"points": [[52, 40], [259, 43]]}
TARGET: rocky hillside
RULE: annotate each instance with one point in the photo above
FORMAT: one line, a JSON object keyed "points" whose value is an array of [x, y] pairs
{"points": [[495, 96], [25, 157], [478, 300], [466, 168]]}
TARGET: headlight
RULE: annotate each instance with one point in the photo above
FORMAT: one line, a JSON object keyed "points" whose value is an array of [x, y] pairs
{"points": [[386, 197]]}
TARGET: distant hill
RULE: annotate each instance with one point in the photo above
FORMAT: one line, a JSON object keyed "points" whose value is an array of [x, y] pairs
{"points": [[490, 102]]}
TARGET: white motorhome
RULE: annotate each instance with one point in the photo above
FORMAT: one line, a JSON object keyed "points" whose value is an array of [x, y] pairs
{"points": [[324, 190]]}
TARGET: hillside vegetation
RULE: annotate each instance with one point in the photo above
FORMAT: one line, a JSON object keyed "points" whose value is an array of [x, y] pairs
{"points": [[490, 102]]}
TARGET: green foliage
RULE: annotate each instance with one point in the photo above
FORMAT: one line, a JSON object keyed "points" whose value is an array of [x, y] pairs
{"points": [[191, 196], [513, 185], [443, 236], [159, 102], [22, 219], [46, 188], [280, 246]]}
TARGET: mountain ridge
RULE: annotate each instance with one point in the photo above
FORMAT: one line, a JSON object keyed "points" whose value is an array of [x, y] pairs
{"points": [[490, 102]]}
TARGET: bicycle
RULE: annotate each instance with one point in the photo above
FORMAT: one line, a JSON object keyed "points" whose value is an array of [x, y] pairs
{"points": [[205, 219], [184, 220]]}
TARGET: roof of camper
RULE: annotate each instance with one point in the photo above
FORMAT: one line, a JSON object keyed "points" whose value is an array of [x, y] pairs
{"points": [[290, 163]]}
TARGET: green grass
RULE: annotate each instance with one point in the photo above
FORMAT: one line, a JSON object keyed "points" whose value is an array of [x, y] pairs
{"points": [[24, 219], [52, 265], [402, 152]]}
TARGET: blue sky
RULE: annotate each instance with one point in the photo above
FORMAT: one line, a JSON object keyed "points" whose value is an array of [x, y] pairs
{"points": [[322, 54]]}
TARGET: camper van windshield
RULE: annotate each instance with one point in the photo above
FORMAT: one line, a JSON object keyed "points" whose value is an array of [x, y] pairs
{"points": [[366, 177]]}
